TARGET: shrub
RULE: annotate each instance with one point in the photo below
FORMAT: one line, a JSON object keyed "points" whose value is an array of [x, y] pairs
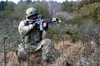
{"points": [[90, 11]]}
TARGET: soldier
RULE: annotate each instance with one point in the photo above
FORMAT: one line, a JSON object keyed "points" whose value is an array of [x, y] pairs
{"points": [[34, 39]]}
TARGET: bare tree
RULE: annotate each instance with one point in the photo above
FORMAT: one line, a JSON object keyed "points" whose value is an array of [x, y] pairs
{"points": [[5, 51]]}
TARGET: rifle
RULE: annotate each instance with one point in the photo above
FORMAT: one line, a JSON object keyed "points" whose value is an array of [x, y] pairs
{"points": [[40, 21]]}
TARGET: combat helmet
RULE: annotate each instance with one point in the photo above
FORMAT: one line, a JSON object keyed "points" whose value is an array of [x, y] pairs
{"points": [[31, 11]]}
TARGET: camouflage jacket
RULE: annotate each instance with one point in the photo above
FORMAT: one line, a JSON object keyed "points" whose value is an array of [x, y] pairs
{"points": [[29, 34]]}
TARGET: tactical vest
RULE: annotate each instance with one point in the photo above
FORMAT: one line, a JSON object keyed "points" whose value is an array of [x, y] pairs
{"points": [[33, 37]]}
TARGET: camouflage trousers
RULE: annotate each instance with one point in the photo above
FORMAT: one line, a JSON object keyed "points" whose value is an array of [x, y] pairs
{"points": [[45, 46]]}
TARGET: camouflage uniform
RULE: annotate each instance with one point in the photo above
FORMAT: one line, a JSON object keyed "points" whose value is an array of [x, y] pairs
{"points": [[33, 42]]}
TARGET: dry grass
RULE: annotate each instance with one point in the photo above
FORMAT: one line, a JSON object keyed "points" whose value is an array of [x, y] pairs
{"points": [[12, 59], [68, 49], [70, 55], [74, 54]]}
